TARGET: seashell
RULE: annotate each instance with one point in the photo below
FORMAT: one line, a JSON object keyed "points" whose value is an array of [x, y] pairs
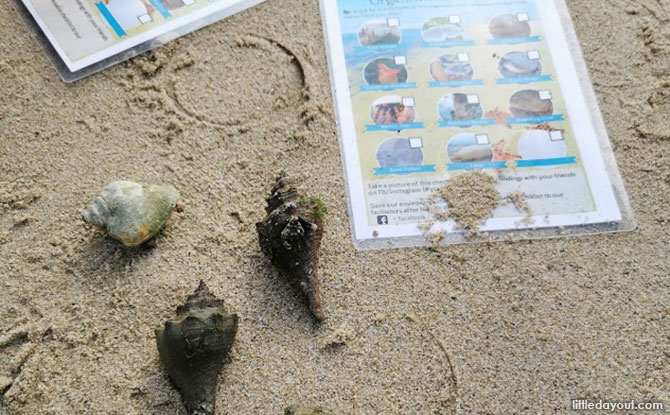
{"points": [[508, 26], [305, 410], [518, 64], [527, 103], [465, 148], [473, 153], [456, 107], [132, 212], [290, 236], [193, 346]]}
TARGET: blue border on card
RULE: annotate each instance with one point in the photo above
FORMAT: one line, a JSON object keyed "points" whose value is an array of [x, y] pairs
{"points": [[484, 165], [388, 87], [110, 19], [456, 84], [161, 8], [466, 123], [523, 80], [536, 120], [448, 44], [513, 40], [395, 127], [381, 171]]}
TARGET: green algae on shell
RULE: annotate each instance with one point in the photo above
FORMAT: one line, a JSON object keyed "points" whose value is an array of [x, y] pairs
{"points": [[132, 212], [290, 236], [305, 410], [194, 346]]}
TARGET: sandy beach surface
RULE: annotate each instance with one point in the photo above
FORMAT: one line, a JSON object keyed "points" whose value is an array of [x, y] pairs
{"points": [[500, 328]]}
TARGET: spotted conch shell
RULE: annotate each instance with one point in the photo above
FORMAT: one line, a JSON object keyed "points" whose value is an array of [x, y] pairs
{"points": [[193, 347], [132, 212], [290, 236]]}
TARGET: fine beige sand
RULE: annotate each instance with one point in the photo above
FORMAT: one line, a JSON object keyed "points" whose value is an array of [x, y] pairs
{"points": [[500, 328]]}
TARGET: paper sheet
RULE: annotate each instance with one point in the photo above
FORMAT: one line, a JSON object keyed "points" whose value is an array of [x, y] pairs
{"points": [[85, 32]]}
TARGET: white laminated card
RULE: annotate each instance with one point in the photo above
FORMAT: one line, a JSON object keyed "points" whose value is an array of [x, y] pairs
{"points": [[497, 87]]}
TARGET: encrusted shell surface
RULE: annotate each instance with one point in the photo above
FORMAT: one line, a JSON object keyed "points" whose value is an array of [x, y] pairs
{"points": [[132, 212], [290, 236], [193, 347], [305, 410]]}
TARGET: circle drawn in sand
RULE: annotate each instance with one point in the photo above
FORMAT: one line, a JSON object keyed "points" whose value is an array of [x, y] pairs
{"points": [[384, 71], [449, 68], [378, 32], [538, 145], [389, 109], [463, 148], [508, 26], [518, 65], [273, 95], [397, 152], [456, 107], [440, 29], [530, 103]]}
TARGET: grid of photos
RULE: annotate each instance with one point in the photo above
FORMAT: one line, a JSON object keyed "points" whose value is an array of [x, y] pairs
{"points": [[447, 83]]}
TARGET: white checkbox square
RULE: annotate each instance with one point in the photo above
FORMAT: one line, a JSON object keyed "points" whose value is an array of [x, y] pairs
{"points": [[415, 142], [463, 57], [188, 2], [546, 94], [556, 135], [482, 139], [523, 17], [534, 55], [144, 18], [408, 101], [393, 22], [473, 99], [400, 60], [455, 19]]}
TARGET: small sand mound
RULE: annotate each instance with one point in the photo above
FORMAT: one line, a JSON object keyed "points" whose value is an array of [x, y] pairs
{"points": [[471, 197]]}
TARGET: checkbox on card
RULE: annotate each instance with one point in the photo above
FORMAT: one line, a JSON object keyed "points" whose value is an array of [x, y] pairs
{"points": [[556, 135], [523, 17], [408, 101], [463, 57], [144, 18], [455, 19], [393, 22], [482, 139], [416, 142], [400, 60], [546, 94], [473, 99], [534, 55]]}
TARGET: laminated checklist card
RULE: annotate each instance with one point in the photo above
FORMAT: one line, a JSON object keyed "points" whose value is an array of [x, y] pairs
{"points": [[447, 109], [85, 36]]}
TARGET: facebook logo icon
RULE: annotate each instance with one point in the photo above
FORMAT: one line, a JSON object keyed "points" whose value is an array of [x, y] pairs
{"points": [[382, 220]]}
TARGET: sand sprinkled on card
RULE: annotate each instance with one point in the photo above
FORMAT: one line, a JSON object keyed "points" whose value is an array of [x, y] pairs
{"points": [[471, 199]]}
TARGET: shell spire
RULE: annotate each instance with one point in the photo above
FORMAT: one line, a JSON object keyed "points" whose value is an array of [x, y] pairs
{"points": [[194, 346], [290, 236]]}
